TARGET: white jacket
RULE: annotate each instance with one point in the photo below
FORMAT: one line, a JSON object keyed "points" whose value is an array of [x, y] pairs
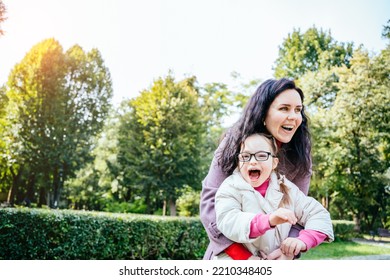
{"points": [[237, 203]]}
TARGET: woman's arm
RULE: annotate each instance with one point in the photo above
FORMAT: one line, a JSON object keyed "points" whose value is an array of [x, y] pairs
{"points": [[218, 242], [210, 185]]}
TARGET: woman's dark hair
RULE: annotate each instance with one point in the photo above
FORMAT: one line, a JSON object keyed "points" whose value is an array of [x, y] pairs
{"points": [[252, 121]]}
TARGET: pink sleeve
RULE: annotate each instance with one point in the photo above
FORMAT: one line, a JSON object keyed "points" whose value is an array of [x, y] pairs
{"points": [[259, 225], [311, 238]]}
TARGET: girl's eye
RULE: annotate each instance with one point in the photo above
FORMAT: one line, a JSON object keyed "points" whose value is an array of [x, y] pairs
{"points": [[298, 110], [283, 108]]}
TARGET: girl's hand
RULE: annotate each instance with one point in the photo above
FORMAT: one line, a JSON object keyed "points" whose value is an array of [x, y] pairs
{"points": [[281, 216], [292, 246], [278, 255]]}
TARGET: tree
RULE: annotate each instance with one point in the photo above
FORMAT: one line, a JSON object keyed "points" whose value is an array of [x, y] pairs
{"points": [[96, 186], [386, 30], [349, 111], [352, 142], [4, 154], [160, 140], [4, 166], [58, 102], [310, 51], [3, 11]]}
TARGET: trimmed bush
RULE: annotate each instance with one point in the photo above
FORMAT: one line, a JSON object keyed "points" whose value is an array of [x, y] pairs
{"points": [[70, 235], [43, 234], [344, 230]]}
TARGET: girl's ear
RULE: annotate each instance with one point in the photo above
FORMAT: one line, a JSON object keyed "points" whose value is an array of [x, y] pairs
{"points": [[275, 162]]}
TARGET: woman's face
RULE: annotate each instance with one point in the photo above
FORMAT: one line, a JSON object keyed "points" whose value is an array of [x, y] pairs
{"points": [[284, 115]]}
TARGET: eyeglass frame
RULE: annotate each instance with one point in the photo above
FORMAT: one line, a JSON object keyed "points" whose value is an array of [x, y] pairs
{"points": [[254, 155]]}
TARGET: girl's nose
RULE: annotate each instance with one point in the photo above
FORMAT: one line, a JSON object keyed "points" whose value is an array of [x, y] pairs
{"points": [[253, 160]]}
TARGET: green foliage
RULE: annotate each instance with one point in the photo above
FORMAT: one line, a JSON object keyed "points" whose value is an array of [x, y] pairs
{"points": [[160, 141], [138, 206], [320, 88], [386, 30], [344, 230], [96, 186], [72, 235], [3, 11], [188, 202], [310, 51], [351, 138], [349, 108], [4, 154], [57, 106], [81, 235]]}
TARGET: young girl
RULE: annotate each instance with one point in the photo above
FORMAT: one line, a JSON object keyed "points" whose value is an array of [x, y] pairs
{"points": [[257, 206]]}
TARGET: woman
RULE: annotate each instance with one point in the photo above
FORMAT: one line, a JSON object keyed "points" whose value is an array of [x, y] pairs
{"points": [[275, 108]]}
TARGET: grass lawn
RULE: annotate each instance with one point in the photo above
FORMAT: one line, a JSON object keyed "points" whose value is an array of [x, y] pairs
{"points": [[338, 250]]}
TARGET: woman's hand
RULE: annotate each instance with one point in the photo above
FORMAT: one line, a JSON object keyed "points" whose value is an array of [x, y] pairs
{"points": [[251, 258], [281, 216]]}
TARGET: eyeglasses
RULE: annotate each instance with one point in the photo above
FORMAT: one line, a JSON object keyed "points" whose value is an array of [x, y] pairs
{"points": [[259, 156]]}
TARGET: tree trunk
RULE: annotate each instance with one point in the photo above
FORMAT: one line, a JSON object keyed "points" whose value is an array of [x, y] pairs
{"points": [[30, 190], [356, 219], [164, 209], [147, 201], [42, 196], [56, 188], [172, 207], [16, 180]]}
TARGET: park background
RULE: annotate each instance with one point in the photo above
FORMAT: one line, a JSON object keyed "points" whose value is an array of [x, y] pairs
{"points": [[118, 106]]}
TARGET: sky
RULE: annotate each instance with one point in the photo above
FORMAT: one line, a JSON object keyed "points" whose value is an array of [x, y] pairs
{"points": [[142, 40]]}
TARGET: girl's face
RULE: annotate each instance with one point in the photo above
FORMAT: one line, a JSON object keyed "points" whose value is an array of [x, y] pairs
{"points": [[256, 171], [284, 116]]}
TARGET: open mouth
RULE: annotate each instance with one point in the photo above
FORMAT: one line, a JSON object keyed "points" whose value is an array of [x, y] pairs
{"points": [[288, 127], [254, 174]]}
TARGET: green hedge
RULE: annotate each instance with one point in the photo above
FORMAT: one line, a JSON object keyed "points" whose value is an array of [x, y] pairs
{"points": [[72, 235], [344, 230]]}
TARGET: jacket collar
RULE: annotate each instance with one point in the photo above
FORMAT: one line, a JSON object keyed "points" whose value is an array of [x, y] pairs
{"points": [[273, 195]]}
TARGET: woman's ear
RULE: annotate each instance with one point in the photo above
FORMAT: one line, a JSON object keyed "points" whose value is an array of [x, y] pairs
{"points": [[275, 162]]}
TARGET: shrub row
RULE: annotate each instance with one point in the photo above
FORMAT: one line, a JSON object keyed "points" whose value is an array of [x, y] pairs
{"points": [[72, 235], [344, 230]]}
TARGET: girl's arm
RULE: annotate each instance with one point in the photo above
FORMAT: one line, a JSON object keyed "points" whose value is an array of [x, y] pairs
{"points": [[231, 220], [312, 215], [307, 239]]}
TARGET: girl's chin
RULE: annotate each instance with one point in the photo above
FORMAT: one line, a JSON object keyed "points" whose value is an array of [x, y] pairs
{"points": [[256, 183]]}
